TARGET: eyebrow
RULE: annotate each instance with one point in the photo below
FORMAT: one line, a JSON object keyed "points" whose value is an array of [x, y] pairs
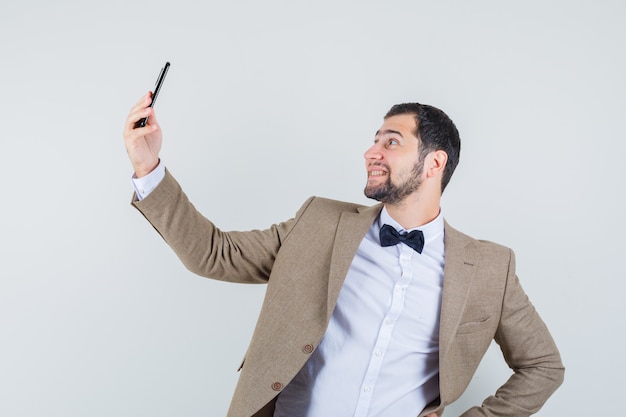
{"points": [[388, 131]]}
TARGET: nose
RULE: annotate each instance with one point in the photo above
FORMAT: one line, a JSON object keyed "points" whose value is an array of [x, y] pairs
{"points": [[373, 153]]}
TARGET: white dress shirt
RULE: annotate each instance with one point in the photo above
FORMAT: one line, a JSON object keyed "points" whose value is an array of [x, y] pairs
{"points": [[145, 185], [380, 354]]}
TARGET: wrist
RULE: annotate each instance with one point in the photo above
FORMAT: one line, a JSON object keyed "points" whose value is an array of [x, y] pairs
{"points": [[145, 169]]}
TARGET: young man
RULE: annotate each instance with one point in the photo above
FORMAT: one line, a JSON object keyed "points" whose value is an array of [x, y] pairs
{"points": [[369, 311]]}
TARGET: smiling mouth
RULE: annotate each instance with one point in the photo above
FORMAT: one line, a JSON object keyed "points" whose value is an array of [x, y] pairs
{"points": [[377, 173]]}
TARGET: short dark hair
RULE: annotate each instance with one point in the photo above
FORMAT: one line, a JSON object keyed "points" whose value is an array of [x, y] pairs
{"points": [[435, 131]]}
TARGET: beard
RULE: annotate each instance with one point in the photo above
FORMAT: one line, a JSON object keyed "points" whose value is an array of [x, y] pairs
{"points": [[390, 193]]}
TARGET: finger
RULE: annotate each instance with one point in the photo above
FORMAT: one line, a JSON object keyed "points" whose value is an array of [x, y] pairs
{"points": [[134, 116], [144, 98], [141, 132], [142, 104], [152, 119]]}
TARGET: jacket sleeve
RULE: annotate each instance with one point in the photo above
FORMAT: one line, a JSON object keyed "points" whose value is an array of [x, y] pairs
{"points": [[529, 350], [203, 248]]}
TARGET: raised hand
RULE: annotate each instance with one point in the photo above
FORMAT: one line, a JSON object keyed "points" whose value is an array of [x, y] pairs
{"points": [[144, 143]]}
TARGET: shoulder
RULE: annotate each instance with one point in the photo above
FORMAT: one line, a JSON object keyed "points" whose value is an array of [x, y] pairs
{"points": [[320, 215], [322, 206], [485, 249]]}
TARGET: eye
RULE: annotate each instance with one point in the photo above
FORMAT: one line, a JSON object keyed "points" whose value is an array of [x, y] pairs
{"points": [[392, 141]]}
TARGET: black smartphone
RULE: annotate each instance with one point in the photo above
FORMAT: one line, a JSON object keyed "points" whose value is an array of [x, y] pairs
{"points": [[159, 82]]}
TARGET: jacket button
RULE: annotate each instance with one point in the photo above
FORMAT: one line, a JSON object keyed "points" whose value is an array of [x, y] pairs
{"points": [[308, 349], [277, 386]]}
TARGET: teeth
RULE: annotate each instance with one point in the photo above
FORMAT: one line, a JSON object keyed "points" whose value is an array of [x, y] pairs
{"points": [[374, 173]]}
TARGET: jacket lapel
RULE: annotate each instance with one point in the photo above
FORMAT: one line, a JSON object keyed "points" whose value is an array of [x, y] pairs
{"points": [[351, 229], [460, 268]]}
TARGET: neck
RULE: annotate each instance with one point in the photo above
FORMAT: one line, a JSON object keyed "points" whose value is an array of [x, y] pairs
{"points": [[414, 211]]}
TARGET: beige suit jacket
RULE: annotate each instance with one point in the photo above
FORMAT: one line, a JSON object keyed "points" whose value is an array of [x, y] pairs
{"points": [[305, 260]]}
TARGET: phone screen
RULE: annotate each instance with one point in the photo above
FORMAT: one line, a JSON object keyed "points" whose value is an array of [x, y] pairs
{"points": [[159, 82]]}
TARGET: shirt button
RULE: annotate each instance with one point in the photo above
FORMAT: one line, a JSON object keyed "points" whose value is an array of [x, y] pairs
{"points": [[277, 386], [367, 389], [379, 353], [388, 322], [308, 349]]}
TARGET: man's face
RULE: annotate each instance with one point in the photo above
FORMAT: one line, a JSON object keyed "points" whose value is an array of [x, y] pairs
{"points": [[393, 167]]}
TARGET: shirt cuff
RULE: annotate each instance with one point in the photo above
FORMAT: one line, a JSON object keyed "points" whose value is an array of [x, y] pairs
{"points": [[145, 185]]}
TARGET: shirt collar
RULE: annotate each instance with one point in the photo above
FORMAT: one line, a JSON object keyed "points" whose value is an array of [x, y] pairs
{"points": [[431, 229]]}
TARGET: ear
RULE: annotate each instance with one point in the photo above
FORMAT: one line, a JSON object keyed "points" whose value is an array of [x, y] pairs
{"points": [[435, 163]]}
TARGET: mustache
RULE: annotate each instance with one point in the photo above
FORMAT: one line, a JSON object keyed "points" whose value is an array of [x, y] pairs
{"points": [[379, 164]]}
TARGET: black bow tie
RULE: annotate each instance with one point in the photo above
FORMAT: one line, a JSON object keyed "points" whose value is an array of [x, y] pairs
{"points": [[390, 236]]}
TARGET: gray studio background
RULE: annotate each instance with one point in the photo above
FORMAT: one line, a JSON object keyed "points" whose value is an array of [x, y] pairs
{"points": [[267, 103]]}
